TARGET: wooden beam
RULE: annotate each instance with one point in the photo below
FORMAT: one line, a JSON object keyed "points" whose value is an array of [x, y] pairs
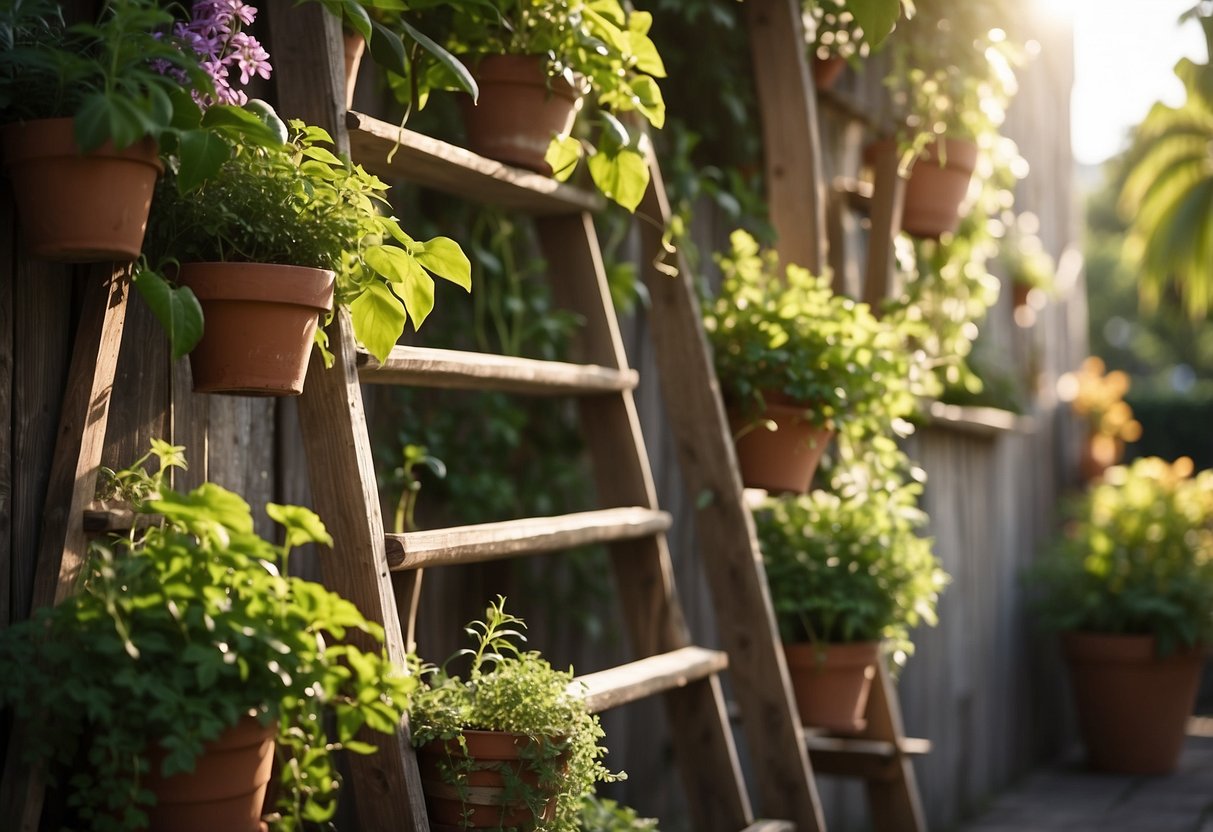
{"points": [[636, 680], [791, 142], [888, 195]]}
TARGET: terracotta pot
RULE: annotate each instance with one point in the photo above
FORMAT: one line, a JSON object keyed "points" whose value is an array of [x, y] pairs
{"points": [[79, 208], [1133, 706], [355, 46], [261, 320], [485, 790], [832, 683], [934, 191], [519, 111], [783, 459], [226, 789], [827, 70]]}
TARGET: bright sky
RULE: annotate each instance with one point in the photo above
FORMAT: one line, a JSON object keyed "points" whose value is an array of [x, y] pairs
{"points": [[1124, 52]]}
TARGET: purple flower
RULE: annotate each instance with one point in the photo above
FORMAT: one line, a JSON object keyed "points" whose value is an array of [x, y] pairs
{"points": [[214, 33]]}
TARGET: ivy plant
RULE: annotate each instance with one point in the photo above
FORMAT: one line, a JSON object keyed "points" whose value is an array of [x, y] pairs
{"points": [[297, 203], [1136, 557], [177, 632], [507, 689], [787, 334]]}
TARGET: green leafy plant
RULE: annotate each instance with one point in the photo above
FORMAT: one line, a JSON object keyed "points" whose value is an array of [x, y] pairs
{"points": [[297, 203], [850, 566], [849, 28], [598, 47], [176, 633], [603, 815], [506, 689], [1136, 557], [788, 334]]}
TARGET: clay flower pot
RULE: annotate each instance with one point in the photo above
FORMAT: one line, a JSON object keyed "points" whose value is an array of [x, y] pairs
{"points": [[1133, 705], [484, 799], [225, 790], [261, 321], [827, 70], [74, 207], [354, 47], [519, 110], [783, 459], [937, 185], [832, 682]]}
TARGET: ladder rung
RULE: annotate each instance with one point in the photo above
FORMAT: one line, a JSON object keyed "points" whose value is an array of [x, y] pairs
{"points": [[856, 192], [626, 683], [455, 370], [115, 517], [530, 536], [865, 758], [435, 164], [771, 826]]}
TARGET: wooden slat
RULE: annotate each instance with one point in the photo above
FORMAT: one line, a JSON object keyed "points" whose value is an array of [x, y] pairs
{"points": [[791, 141], [980, 421], [888, 196], [856, 192], [100, 518], [529, 536], [771, 826], [894, 803], [859, 747], [387, 785], [455, 370], [617, 686], [783, 776], [436, 164]]}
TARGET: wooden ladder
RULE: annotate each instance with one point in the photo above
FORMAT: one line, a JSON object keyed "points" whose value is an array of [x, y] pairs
{"points": [[382, 573]]}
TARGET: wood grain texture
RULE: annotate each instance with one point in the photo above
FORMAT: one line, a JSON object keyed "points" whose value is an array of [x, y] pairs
{"points": [[893, 801], [189, 422], [704, 748], [80, 439], [436, 164], [888, 196], [456, 370], [788, 105], [142, 389], [771, 826], [306, 44], [240, 451], [728, 543], [8, 257], [528, 536], [649, 676]]}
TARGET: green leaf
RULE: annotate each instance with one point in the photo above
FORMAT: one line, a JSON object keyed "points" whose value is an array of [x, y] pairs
{"points": [[176, 308], [92, 122], [357, 18], [418, 297], [462, 76], [446, 259], [562, 156], [386, 49], [649, 101], [875, 17], [394, 264], [622, 176], [202, 154], [205, 506], [321, 154], [378, 319], [258, 123], [302, 525]]}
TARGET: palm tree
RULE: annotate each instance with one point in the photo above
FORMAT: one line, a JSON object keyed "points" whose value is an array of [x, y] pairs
{"points": [[1168, 194]]}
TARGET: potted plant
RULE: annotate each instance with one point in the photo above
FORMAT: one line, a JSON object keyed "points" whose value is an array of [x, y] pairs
{"points": [[268, 243], [951, 78], [189, 651], [86, 107], [511, 744], [850, 577], [604, 815], [797, 363], [1130, 587]]}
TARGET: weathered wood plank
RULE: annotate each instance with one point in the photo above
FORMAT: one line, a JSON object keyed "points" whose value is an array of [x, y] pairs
{"points": [[142, 389], [771, 826], [435, 164], [306, 43], [888, 196], [189, 419], [8, 256], [240, 451], [729, 546], [456, 370], [528, 536], [649, 676], [707, 758], [893, 801], [788, 105]]}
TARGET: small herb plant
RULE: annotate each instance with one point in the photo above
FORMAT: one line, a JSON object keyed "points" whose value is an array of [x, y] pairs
{"points": [[790, 335], [296, 203], [1136, 557], [176, 633], [507, 689], [603, 815], [850, 566]]}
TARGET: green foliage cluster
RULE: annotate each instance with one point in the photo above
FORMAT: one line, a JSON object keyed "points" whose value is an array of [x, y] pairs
{"points": [[849, 28], [178, 632], [849, 565], [297, 203], [507, 689], [1136, 557], [790, 335], [603, 815], [110, 75]]}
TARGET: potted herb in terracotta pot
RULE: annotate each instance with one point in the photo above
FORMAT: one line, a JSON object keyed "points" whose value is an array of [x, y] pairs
{"points": [[511, 744], [191, 658], [850, 577], [797, 363], [268, 244], [86, 107], [1130, 587]]}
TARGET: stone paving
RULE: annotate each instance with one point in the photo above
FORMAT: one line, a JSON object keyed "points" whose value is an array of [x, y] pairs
{"points": [[1067, 797]]}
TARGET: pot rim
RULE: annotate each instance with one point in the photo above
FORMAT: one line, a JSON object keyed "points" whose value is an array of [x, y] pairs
{"points": [[46, 138], [267, 282]]}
